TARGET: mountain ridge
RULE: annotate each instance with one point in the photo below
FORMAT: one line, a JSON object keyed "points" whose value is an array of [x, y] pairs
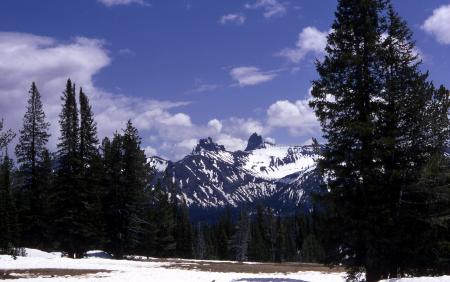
{"points": [[280, 176]]}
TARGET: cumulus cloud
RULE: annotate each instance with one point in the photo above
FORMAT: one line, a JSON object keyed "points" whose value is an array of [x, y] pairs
{"points": [[216, 124], [296, 116], [438, 24], [164, 129], [111, 3], [310, 40], [272, 8], [247, 76], [25, 58], [237, 19]]}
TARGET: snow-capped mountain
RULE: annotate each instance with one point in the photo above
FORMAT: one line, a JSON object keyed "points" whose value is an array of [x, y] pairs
{"points": [[211, 177]]}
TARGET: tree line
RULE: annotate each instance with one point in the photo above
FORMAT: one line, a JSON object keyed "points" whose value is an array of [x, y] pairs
{"points": [[101, 195], [86, 195], [384, 160]]}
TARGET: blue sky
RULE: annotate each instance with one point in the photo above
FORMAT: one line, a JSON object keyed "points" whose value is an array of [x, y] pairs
{"points": [[186, 69]]}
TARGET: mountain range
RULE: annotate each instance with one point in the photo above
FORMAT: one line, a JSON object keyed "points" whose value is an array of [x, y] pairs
{"points": [[211, 177]]}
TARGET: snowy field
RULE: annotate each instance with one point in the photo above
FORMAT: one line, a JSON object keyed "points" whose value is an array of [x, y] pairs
{"points": [[41, 266]]}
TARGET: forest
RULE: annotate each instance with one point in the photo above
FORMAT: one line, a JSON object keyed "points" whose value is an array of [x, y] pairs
{"points": [[384, 158]]}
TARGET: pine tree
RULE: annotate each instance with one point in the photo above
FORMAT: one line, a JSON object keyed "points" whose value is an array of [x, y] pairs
{"points": [[30, 152], [136, 176], [91, 170], [374, 105], [425, 248], [240, 239], [259, 246], [5, 137], [127, 178], [67, 199], [183, 232], [345, 102], [114, 202], [165, 224], [8, 217], [224, 233], [200, 251]]}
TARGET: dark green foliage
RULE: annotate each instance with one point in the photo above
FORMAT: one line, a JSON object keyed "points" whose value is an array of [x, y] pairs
{"points": [[183, 232], [200, 251], [127, 179], [8, 217], [241, 237], [5, 137], [66, 200], [260, 243], [32, 157], [74, 201], [165, 224], [382, 121], [425, 216], [91, 174]]}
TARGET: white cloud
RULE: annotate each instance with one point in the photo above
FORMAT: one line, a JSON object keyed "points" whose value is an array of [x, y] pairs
{"points": [[150, 151], [296, 116], [111, 3], [310, 40], [179, 119], [272, 8], [164, 130], [231, 143], [438, 24], [247, 76], [25, 58], [237, 19], [216, 124], [243, 127]]}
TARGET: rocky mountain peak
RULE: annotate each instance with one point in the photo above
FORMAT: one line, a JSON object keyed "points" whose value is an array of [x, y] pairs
{"points": [[207, 144], [255, 142]]}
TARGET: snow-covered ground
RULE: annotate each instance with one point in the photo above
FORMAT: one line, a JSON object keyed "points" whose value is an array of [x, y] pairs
{"points": [[130, 271], [157, 270]]}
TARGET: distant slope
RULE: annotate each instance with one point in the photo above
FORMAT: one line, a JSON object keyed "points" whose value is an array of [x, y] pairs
{"points": [[283, 177]]}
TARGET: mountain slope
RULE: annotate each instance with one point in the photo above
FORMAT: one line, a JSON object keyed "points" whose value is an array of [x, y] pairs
{"points": [[283, 177]]}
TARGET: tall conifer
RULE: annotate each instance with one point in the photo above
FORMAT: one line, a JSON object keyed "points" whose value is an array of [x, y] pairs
{"points": [[30, 152]]}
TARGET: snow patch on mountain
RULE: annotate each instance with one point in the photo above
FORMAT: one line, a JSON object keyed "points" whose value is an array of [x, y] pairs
{"points": [[266, 173]]}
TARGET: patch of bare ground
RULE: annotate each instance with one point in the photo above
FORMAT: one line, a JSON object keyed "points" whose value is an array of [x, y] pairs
{"points": [[47, 272], [240, 267]]}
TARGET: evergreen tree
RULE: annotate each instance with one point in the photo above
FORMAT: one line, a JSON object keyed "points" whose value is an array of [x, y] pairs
{"points": [[127, 179], [114, 202], [5, 137], [67, 198], [166, 243], [200, 251], [374, 105], [8, 218], [224, 233], [259, 246], [425, 214], [240, 239], [183, 232], [30, 152], [91, 170]]}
